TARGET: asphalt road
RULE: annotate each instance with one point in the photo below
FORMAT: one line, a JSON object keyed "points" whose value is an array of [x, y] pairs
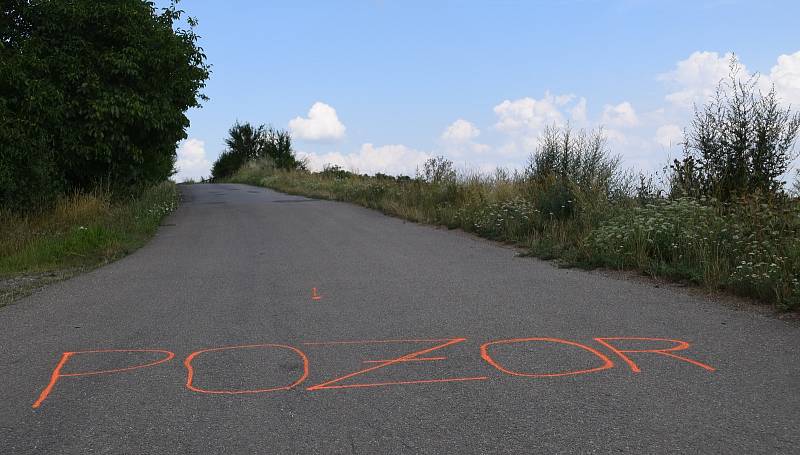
{"points": [[482, 351]]}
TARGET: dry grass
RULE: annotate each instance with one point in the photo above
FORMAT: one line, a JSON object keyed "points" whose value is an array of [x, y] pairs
{"points": [[82, 230]]}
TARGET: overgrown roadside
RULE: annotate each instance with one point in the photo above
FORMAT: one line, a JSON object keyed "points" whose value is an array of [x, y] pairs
{"points": [[749, 248], [81, 232], [722, 217]]}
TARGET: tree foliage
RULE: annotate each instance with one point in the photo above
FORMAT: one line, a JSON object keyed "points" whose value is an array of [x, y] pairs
{"points": [[437, 170], [246, 142], [740, 142], [92, 93]]}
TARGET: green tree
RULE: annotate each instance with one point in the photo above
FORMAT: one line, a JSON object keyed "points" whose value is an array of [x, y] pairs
{"points": [[740, 142], [278, 147], [92, 93], [226, 165], [437, 170], [246, 142]]}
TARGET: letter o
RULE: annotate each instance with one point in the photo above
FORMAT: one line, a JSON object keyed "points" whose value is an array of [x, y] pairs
{"points": [[190, 370], [607, 363]]}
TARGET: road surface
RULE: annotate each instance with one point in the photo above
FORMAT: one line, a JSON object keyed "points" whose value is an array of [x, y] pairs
{"points": [[257, 322]]}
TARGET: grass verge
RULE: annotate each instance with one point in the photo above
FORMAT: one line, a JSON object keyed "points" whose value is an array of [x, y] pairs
{"points": [[81, 232], [749, 248]]}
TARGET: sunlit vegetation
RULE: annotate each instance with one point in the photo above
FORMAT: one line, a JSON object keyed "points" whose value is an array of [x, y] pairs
{"points": [[722, 219], [80, 231], [93, 100]]}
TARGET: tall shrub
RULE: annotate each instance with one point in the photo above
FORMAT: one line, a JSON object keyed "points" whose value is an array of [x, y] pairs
{"points": [[740, 142], [570, 165]]}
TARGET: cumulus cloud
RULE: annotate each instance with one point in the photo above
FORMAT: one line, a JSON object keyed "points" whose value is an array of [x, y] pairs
{"points": [[578, 112], [622, 115], [668, 135], [458, 140], [616, 137], [639, 137], [388, 159], [530, 114], [786, 77], [460, 131], [322, 124], [696, 78], [524, 119], [192, 162]]}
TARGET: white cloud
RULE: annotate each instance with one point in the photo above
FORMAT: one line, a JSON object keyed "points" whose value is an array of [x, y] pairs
{"points": [[562, 99], [622, 115], [669, 135], [322, 124], [786, 77], [458, 140], [460, 131], [524, 119], [696, 78], [192, 162], [389, 159], [465, 149], [530, 114], [616, 137], [578, 112], [639, 137]]}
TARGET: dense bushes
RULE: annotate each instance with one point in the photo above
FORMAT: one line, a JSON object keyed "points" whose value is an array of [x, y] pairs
{"points": [[92, 93], [247, 143]]}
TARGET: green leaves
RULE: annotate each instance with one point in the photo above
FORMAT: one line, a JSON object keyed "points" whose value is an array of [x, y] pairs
{"points": [[92, 93], [247, 143], [739, 143], [750, 246]]}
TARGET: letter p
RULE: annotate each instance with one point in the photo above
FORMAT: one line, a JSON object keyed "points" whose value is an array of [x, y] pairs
{"points": [[66, 356]]}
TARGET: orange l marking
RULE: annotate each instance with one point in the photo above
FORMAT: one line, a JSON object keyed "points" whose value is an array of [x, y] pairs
{"points": [[314, 295]]}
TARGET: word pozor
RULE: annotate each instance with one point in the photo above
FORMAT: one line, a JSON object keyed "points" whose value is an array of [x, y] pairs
{"points": [[616, 346]]}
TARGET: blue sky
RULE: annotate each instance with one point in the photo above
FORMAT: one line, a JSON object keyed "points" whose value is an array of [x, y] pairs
{"points": [[382, 85]]}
